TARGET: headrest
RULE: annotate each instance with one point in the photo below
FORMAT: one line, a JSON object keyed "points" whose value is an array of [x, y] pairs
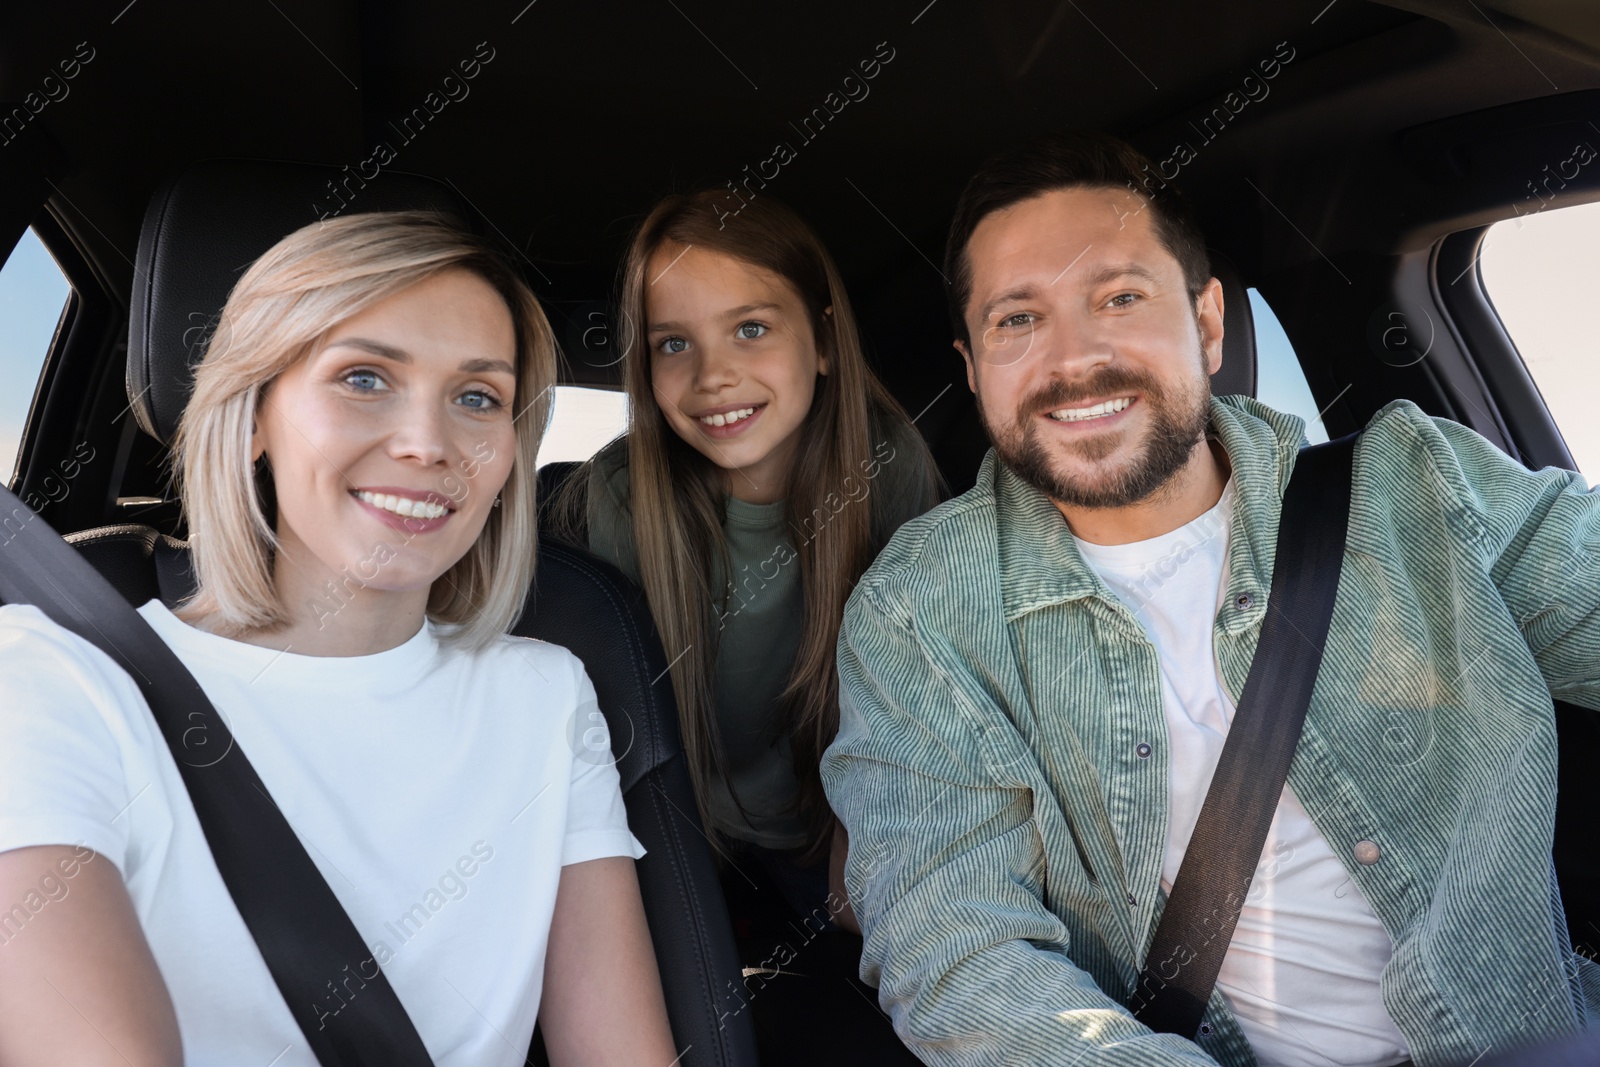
{"points": [[1238, 371], [204, 228]]}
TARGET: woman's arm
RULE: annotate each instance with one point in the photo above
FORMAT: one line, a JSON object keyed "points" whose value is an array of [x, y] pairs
{"points": [[602, 992], [78, 983]]}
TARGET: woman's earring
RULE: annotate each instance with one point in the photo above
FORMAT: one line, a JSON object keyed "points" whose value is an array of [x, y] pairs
{"points": [[496, 500]]}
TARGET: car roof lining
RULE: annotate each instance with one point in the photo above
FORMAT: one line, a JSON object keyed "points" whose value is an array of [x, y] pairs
{"points": [[572, 129]]}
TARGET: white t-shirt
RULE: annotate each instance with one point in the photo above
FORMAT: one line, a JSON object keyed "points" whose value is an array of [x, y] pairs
{"points": [[438, 791], [1302, 971]]}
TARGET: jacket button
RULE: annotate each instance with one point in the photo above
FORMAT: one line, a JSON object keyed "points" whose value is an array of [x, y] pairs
{"points": [[1244, 600], [1142, 750], [1367, 853]]}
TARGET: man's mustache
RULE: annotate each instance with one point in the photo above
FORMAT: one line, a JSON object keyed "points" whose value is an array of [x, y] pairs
{"points": [[1058, 394]]}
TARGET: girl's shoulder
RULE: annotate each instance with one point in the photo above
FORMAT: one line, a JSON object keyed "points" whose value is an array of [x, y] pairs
{"points": [[608, 508], [908, 482], [608, 470]]}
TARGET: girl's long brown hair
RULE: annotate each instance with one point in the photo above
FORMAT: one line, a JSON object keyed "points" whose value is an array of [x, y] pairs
{"points": [[677, 494]]}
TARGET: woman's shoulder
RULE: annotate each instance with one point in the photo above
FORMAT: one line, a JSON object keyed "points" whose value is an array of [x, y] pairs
{"points": [[528, 664], [33, 647]]}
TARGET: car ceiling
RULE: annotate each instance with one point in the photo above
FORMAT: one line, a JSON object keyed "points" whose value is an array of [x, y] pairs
{"points": [[587, 112]]}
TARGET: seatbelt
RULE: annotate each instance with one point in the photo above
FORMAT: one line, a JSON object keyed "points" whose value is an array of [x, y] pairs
{"points": [[1214, 878], [333, 987]]}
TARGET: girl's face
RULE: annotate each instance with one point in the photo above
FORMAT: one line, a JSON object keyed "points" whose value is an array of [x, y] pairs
{"points": [[390, 441], [733, 363]]}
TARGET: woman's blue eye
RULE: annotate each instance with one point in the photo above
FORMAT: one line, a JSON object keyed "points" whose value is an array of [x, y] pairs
{"points": [[364, 380], [673, 345], [478, 400], [749, 331]]}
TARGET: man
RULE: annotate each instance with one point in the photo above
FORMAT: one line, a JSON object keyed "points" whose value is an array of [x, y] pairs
{"points": [[1037, 679]]}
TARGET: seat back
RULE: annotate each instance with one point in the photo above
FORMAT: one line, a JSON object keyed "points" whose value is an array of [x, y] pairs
{"points": [[202, 230]]}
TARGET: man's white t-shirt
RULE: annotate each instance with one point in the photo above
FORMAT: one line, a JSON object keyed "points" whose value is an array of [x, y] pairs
{"points": [[1302, 971], [439, 792]]}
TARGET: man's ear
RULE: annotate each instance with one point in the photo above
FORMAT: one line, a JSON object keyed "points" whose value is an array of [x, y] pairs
{"points": [[966, 357], [1208, 317]]}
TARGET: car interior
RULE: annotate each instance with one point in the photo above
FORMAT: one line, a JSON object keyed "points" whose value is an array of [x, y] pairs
{"points": [[1351, 188]]}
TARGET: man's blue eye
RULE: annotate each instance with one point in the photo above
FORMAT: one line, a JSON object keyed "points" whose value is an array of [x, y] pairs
{"points": [[749, 331]]}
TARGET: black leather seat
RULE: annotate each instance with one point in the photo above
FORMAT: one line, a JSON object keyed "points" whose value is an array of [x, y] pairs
{"points": [[201, 230]]}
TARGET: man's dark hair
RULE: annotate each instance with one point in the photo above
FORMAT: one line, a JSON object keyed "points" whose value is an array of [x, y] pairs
{"points": [[1062, 161]]}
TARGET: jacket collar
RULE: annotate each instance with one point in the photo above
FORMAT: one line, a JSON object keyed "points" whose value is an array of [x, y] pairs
{"points": [[1039, 561]]}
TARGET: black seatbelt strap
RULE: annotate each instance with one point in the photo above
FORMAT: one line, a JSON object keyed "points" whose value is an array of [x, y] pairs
{"points": [[1214, 878], [334, 988]]}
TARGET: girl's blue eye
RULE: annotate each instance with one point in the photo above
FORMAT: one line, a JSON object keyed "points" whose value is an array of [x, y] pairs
{"points": [[749, 331], [364, 380], [673, 345]]}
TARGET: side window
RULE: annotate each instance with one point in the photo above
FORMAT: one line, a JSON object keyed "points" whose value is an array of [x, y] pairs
{"points": [[582, 420], [1280, 380], [33, 294], [1540, 271]]}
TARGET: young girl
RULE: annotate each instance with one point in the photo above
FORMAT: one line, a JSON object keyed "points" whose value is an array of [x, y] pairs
{"points": [[357, 469], [763, 468]]}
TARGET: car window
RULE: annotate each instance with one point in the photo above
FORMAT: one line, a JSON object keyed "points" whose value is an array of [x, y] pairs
{"points": [[1280, 380], [33, 293], [1540, 271], [582, 421]]}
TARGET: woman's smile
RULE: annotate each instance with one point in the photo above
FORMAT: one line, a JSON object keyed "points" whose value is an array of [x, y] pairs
{"points": [[414, 511]]}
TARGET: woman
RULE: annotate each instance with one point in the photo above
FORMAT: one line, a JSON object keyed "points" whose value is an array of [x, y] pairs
{"points": [[763, 468], [357, 468]]}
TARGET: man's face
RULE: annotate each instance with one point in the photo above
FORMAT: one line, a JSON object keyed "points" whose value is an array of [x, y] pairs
{"points": [[1089, 358]]}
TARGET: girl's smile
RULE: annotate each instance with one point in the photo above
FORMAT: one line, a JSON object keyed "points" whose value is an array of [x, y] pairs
{"points": [[729, 420], [733, 363]]}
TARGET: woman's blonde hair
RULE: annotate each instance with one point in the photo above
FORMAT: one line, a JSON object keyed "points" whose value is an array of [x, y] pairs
{"points": [[283, 306], [677, 495]]}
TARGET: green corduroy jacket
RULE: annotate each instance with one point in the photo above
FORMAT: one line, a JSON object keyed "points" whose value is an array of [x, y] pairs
{"points": [[1006, 838]]}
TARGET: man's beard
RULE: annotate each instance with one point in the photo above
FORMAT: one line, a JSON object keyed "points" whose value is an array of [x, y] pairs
{"points": [[1178, 420]]}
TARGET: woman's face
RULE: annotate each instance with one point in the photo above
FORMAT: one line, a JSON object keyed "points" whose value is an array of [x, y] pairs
{"points": [[733, 363], [390, 441]]}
